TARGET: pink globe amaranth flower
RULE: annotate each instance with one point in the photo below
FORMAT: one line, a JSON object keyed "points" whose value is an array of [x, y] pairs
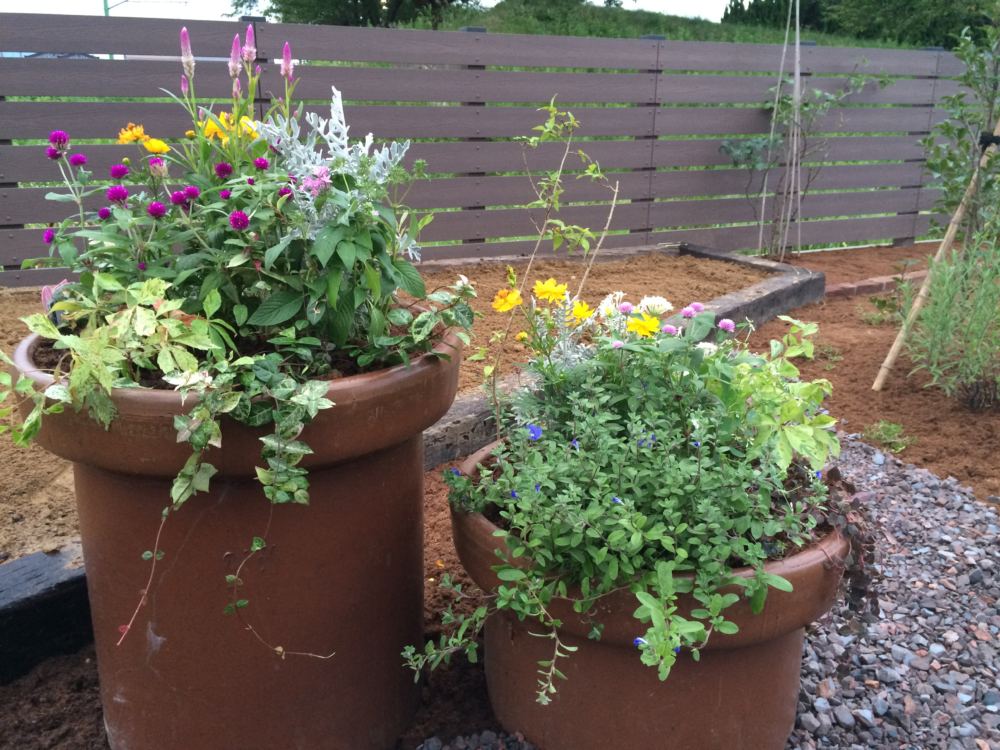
{"points": [[141, 265], [191, 192], [669, 330], [239, 220], [53, 153], [118, 171], [224, 194], [261, 163], [617, 344], [59, 139], [697, 307], [688, 312], [178, 198], [104, 213], [223, 169], [249, 51], [250, 181], [727, 325], [626, 308], [284, 191], [117, 194], [156, 209], [287, 66], [48, 236], [78, 160]]}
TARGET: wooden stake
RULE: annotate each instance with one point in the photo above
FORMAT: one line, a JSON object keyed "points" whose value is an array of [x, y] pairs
{"points": [[925, 287]]}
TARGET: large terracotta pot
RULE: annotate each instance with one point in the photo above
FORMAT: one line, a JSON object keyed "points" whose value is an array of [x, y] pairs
{"points": [[342, 575], [742, 695]]}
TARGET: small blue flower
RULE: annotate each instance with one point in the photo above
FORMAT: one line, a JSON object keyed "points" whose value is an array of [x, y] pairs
{"points": [[640, 642], [642, 442], [652, 437], [513, 494], [819, 474], [696, 443], [456, 472], [534, 432], [616, 500], [575, 443], [677, 649], [538, 487]]}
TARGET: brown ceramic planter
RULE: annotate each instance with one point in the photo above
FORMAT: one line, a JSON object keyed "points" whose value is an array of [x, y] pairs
{"points": [[343, 574], [742, 695]]}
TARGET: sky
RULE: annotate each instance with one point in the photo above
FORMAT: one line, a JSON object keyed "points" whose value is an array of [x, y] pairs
{"points": [[215, 9]]}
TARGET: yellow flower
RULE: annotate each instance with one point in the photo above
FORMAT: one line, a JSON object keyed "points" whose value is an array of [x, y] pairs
{"points": [[549, 290], [132, 133], [248, 126], [155, 146], [189, 134], [643, 326], [507, 299], [581, 311], [521, 336]]}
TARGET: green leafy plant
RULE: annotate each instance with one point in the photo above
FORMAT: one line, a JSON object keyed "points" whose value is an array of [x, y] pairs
{"points": [[889, 435], [244, 266]]}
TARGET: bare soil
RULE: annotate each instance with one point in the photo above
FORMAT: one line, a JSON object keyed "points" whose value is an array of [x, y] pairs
{"points": [[856, 264]]}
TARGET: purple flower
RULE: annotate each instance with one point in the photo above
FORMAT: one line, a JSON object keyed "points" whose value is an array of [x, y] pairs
{"points": [[727, 325], [104, 213], [117, 194], [52, 152], [626, 308], [249, 180], [191, 192], [237, 88], [318, 182], [239, 220], [640, 642], [688, 312], [178, 198], [538, 487], [48, 236], [223, 169], [234, 58], [456, 472], [185, 87], [697, 307], [156, 209], [819, 474], [224, 194], [118, 171], [287, 67], [261, 163], [575, 443], [534, 432], [249, 50], [187, 56], [669, 330], [513, 495], [677, 649], [616, 500], [696, 443], [59, 139], [78, 160], [617, 344], [284, 191], [141, 265]]}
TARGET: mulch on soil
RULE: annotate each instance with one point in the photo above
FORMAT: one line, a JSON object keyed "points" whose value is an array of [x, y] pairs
{"points": [[864, 263]]}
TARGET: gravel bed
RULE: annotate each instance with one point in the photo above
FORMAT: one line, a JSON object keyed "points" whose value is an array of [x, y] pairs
{"points": [[927, 675]]}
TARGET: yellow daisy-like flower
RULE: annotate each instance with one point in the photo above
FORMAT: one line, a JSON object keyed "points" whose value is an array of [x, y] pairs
{"points": [[506, 300], [521, 336], [549, 290], [248, 126], [189, 134], [132, 133], [644, 325], [155, 146], [581, 311]]}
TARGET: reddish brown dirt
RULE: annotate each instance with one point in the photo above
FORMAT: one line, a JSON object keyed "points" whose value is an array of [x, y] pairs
{"points": [[949, 439], [864, 263], [680, 279]]}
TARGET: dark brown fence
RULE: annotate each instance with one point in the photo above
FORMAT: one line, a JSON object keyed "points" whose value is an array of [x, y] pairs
{"points": [[653, 113]]}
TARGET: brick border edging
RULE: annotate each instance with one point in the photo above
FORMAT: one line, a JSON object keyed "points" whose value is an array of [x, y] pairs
{"points": [[43, 597], [872, 285]]}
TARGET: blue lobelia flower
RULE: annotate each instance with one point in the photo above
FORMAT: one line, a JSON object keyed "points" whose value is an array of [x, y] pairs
{"points": [[534, 432], [640, 642], [616, 500]]}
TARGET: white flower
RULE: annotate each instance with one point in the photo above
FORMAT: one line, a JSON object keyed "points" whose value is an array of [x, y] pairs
{"points": [[655, 305], [609, 305], [707, 347], [463, 283]]}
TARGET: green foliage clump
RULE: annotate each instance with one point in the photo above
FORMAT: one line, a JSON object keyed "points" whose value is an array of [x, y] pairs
{"points": [[890, 435]]}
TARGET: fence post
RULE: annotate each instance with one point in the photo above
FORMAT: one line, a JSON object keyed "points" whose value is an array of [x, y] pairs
{"points": [[473, 139], [650, 136]]}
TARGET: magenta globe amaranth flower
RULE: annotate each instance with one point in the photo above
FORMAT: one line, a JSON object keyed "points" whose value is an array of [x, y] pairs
{"points": [[53, 153], [104, 213], [224, 194], [261, 163], [48, 236], [223, 169], [141, 265], [250, 181], [118, 171], [117, 194], [78, 160], [59, 139], [178, 198], [156, 209], [239, 220], [284, 191], [727, 325], [191, 192]]}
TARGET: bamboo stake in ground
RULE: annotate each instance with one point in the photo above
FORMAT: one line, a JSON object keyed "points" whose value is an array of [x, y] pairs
{"points": [[925, 287]]}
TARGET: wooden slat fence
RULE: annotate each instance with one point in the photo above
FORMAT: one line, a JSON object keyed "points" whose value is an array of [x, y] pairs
{"points": [[653, 113]]}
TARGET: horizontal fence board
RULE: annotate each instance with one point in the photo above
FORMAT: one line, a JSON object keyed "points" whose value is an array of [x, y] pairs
{"points": [[456, 47], [33, 277], [43, 32], [515, 222], [507, 156], [435, 85], [80, 78], [29, 163], [746, 120]]}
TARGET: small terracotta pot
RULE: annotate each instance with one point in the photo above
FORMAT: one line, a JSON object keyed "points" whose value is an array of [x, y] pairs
{"points": [[742, 695], [343, 575]]}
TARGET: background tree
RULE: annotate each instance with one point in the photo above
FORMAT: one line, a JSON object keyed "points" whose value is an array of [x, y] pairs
{"points": [[347, 12], [774, 13]]}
